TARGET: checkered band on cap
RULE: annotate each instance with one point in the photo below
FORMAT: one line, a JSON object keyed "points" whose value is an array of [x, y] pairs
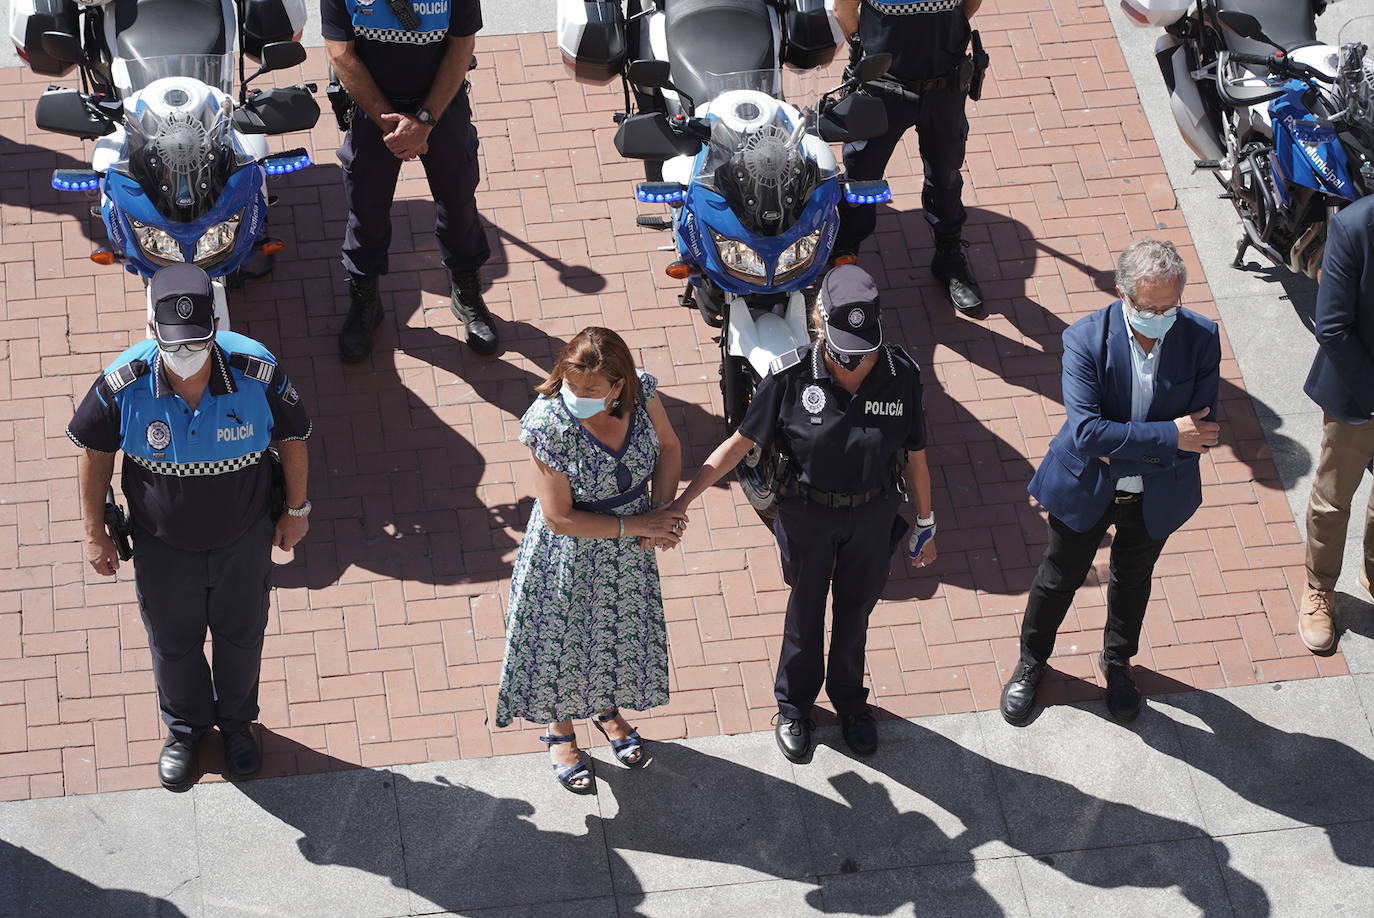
{"points": [[400, 36], [197, 469], [919, 6]]}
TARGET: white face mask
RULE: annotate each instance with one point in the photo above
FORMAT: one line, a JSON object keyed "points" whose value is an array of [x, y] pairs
{"points": [[183, 363]]}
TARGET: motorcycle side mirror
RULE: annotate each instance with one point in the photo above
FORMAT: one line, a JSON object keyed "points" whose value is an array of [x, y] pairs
{"points": [[282, 54], [871, 67], [650, 74], [648, 136], [1242, 24], [858, 116], [63, 47]]}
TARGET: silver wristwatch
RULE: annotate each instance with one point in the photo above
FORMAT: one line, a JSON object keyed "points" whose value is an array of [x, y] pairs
{"points": [[302, 511]]}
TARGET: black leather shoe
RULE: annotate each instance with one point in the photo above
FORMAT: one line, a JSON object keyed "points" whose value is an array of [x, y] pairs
{"points": [[1018, 695], [176, 764], [794, 738], [1123, 698], [242, 754], [860, 733], [471, 310], [951, 266], [364, 315]]}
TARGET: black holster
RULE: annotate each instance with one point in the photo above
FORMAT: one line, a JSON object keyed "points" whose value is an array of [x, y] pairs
{"points": [[118, 527], [341, 102], [978, 63]]}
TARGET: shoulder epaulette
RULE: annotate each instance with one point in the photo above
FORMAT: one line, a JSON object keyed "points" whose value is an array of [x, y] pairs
{"points": [[120, 377], [787, 361], [253, 367]]}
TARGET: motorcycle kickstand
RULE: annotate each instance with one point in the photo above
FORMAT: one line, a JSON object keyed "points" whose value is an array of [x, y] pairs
{"points": [[1241, 248]]}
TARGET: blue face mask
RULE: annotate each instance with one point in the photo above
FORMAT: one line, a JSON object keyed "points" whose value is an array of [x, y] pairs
{"points": [[1149, 324], [581, 407]]}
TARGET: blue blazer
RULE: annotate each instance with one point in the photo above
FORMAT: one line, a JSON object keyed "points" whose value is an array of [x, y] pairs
{"points": [[1342, 377], [1072, 482]]}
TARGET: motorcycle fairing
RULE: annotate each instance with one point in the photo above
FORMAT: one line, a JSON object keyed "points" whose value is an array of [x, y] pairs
{"points": [[1307, 150], [125, 200]]}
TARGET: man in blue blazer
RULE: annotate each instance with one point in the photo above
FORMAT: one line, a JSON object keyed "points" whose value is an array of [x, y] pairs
{"points": [[1342, 383], [1140, 377]]}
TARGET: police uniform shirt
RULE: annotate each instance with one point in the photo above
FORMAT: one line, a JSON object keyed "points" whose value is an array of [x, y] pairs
{"points": [[840, 442], [403, 62], [196, 479], [926, 38]]}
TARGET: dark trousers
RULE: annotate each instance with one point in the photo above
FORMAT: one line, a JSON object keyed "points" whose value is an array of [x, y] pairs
{"points": [[844, 552], [1067, 561], [181, 594], [370, 172], [942, 130]]}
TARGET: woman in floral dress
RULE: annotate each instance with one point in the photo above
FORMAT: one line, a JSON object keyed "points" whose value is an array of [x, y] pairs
{"points": [[585, 632]]}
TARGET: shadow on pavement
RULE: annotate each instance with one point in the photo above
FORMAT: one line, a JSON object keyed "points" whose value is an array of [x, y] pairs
{"points": [[33, 887]]}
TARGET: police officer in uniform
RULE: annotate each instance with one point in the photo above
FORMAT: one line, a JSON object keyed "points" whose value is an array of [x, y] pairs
{"points": [[405, 63], [847, 413], [925, 89], [194, 412]]}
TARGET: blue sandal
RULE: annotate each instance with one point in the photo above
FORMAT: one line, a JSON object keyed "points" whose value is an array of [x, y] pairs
{"points": [[566, 774], [623, 748]]}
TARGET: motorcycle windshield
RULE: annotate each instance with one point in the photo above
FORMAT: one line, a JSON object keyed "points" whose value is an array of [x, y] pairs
{"points": [[178, 144], [758, 157], [1354, 89]]}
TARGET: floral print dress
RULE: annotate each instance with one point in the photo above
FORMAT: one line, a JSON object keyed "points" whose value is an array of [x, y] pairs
{"points": [[584, 630]]}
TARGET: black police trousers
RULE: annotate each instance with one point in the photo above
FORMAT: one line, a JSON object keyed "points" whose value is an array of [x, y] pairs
{"points": [[370, 172], [845, 553], [1067, 561], [180, 595], [942, 131]]}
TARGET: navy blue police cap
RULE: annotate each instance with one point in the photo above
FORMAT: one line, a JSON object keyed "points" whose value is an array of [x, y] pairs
{"points": [[849, 298], [183, 305]]}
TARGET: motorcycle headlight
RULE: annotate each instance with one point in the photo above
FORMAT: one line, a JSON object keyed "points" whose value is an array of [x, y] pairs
{"points": [[740, 260], [797, 257], [217, 240], [157, 244]]}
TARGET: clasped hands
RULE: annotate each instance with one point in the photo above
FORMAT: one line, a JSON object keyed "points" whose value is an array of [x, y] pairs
{"points": [[662, 527], [408, 138]]}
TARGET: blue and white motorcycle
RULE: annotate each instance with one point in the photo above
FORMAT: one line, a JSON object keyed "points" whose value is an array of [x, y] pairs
{"points": [[754, 190], [1284, 121], [178, 165]]}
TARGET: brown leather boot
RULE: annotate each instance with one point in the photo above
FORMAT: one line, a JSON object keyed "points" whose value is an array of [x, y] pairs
{"points": [[1316, 623]]}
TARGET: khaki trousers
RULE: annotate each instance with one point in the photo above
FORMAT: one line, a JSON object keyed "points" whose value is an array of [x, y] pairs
{"points": [[1346, 452]]}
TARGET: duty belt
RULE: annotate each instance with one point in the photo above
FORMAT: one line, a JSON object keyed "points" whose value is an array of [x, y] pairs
{"points": [[835, 499]]}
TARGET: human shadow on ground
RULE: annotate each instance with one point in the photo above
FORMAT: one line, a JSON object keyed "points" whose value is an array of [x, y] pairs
{"points": [[995, 534], [33, 887], [26, 182], [706, 819]]}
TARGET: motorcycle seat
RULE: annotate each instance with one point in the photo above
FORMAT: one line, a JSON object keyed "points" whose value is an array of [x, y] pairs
{"points": [[716, 36], [158, 28], [1290, 23]]}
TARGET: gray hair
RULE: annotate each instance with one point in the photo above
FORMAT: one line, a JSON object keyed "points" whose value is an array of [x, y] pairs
{"points": [[1150, 259]]}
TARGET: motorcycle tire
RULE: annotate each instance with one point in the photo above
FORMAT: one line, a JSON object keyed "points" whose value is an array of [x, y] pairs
{"points": [[755, 471]]}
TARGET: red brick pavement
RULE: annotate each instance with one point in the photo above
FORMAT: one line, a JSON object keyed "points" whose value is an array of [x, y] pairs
{"points": [[386, 635]]}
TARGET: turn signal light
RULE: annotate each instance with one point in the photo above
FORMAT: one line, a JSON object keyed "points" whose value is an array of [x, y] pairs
{"points": [[846, 259], [103, 257], [272, 246], [679, 270]]}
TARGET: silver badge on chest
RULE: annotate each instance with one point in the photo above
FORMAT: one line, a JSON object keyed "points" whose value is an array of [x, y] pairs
{"points": [[159, 435], [813, 399]]}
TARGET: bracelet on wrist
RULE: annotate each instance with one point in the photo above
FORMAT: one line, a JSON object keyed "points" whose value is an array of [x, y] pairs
{"points": [[621, 519]]}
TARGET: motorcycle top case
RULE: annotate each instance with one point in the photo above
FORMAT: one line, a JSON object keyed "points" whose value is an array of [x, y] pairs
{"points": [[29, 19], [591, 37], [812, 34], [268, 21], [1158, 13]]}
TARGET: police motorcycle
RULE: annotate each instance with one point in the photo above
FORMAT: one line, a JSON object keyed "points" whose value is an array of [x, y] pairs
{"points": [[752, 184], [179, 166], [1283, 121]]}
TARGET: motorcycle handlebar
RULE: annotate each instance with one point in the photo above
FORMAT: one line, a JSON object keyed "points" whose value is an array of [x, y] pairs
{"points": [[1283, 65]]}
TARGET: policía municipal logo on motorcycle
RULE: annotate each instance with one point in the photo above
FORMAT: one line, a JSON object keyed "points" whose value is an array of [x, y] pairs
{"points": [[813, 399], [159, 435]]}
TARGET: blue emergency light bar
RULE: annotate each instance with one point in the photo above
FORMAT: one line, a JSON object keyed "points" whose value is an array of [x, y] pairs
{"points": [[876, 192], [75, 180], [282, 163], [660, 192]]}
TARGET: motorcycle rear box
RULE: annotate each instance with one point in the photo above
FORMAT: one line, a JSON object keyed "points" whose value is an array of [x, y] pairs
{"points": [[1157, 13], [591, 37], [29, 19], [811, 34]]}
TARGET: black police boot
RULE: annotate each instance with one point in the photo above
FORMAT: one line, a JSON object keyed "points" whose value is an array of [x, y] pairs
{"points": [[1123, 698], [176, 764], [794, 738], [951, 266], [860, 732], [242, 754], [1018, 695], [470, 309], [364, 315]]}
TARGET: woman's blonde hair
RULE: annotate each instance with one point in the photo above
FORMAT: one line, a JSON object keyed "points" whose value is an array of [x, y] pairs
{"points": [[601, 351]]}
